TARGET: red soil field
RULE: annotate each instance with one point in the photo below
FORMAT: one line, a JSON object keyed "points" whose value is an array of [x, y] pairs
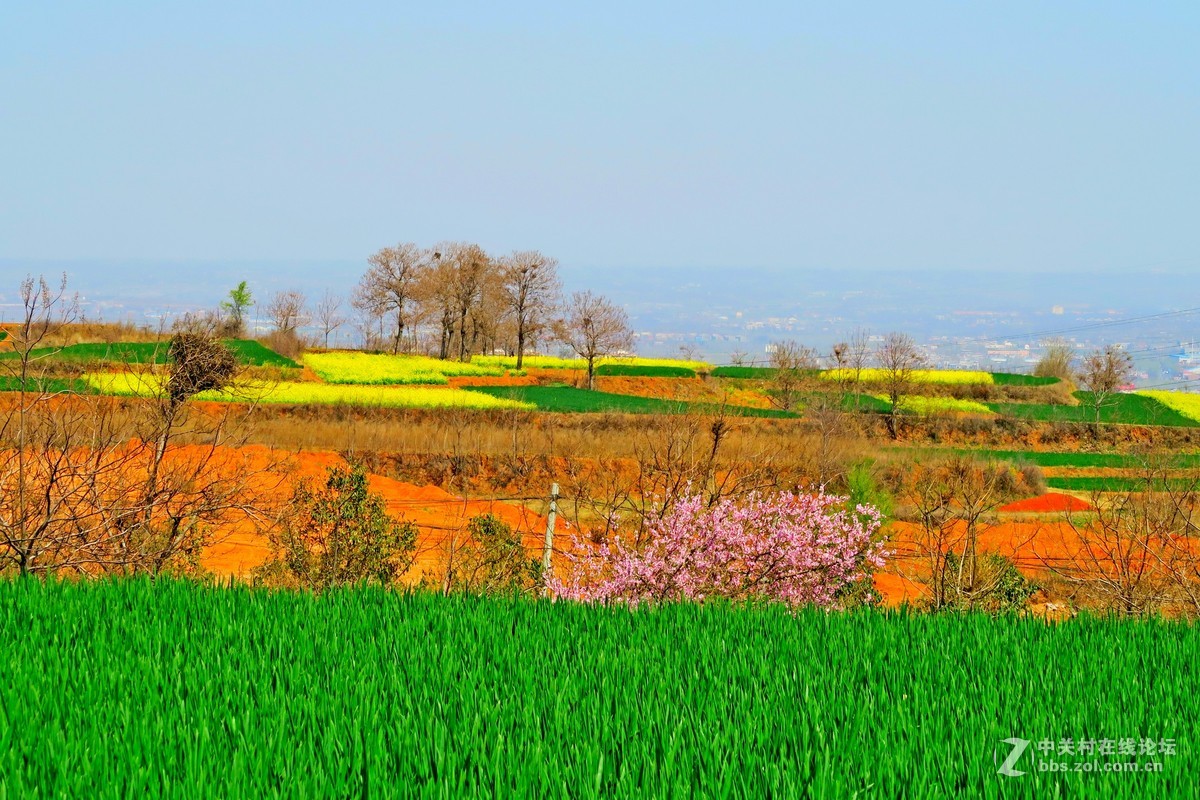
{"points": [[684, 389], [439, 516], [467, 381], [1047, 503]]}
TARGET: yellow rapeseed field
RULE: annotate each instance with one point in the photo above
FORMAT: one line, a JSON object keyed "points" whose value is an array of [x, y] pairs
{"points": [[303, 393], [384, 369], [924, 406], [1186, 404]]}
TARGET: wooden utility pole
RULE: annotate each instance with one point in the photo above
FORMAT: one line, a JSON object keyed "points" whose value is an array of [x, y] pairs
{"points": [[549, 548]]}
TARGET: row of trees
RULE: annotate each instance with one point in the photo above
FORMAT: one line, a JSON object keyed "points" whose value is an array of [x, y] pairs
{"points": [[452, 301]]}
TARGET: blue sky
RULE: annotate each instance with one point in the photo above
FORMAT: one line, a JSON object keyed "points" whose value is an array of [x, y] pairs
{"points": [[1000, 136]]}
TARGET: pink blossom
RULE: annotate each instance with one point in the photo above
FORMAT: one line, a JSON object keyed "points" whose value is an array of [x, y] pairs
{"points": [[801, 549]]}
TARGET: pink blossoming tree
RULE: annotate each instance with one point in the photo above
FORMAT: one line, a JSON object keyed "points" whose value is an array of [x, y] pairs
{"points": [[801, 549]]}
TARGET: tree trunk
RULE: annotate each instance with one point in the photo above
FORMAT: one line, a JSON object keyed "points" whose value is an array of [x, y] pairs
{"points": [[399, 334]]}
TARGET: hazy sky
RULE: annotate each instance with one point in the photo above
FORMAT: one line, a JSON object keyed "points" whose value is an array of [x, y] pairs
{"points": [[974, 136]]}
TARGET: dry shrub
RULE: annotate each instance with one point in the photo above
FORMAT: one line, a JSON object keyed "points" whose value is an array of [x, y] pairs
{"points": [[286, 343]]}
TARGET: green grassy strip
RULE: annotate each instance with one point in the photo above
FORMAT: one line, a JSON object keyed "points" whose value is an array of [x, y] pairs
{"points": [[257, 354], [1013, 379], [1123, 409], [571, 399], [644, 371], [1114, 484], [752, 373], [248, 351], [1077, 460], [12, 383], [140, 689], [866, 403]]}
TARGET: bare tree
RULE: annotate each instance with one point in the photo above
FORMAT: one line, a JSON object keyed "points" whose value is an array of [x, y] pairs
{"points": [[794, 364], [389, 284], [531, 288], [469, 267], [953, 503], [849, 359], [287, 311], [490, 318], [1122, 556], [898, 359], [928, 491], [329, 315], [1103, 373], [95, 487], [594, 327], [45, 311], [435, 291]]}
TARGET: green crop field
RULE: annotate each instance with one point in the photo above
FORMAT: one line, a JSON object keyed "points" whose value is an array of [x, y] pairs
{"points": [[1114, 484], [570, 399], [1013, 379], [12, 383], [752, 373], [248, 351], [1124, 409], [645, 371], [137, 688], [922, 376], [1079, 460]]}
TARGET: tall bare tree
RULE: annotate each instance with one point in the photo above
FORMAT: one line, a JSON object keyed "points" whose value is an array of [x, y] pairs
{"points": [[594, 327], [1125, 554], [469, 267], [435, 290], [490, 318], [89, 486], [898, 359], [329, 315], [794, 365], [849, 358], [1103, 373], [287, 311], [388, 286], [531, 288], [45, 310]]}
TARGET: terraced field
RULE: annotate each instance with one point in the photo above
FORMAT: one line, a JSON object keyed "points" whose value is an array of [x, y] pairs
{"points": [[366, 377]]}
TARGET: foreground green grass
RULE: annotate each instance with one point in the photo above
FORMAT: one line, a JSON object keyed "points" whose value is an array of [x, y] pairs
{"points": [[133, 689], [570, 399]]}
